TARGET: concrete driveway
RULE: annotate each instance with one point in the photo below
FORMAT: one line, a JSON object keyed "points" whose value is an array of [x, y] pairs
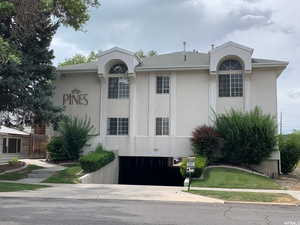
{"points": [[109, 191]]}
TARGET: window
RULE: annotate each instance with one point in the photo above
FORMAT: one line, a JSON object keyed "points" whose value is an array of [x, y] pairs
{"points": [[230, 79], [117, 126], [162, 85], [230, 64], [118, 87], [162, 126], [120, 68], [11, 145]]}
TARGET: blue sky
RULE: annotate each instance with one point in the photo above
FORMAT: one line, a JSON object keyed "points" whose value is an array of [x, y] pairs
{"points": [[271, 27]]}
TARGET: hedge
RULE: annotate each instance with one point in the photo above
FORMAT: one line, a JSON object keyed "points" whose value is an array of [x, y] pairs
{"points": [[200, 164], [207, 142], [96, 160], [249, 137], [289, 146], [56, 149]]}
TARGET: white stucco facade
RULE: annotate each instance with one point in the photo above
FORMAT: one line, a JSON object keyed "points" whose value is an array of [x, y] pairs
{"points": [[192, 99]]}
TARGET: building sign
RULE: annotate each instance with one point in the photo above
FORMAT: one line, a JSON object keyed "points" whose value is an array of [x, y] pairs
{"points": [[76, 97]]}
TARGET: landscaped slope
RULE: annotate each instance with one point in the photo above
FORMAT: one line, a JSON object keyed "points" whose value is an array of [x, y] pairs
{"points": [[69, 175], [234, 178], [21, 174]]}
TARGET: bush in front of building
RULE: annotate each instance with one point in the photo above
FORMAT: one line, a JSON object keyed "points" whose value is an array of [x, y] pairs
{"points": [[200, 164], [96, 160], [249, 137], [56, 149], [13, 161], [74, 133], [207, 142], [289, 146]]}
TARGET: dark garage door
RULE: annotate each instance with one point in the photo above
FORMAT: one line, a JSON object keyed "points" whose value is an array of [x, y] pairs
{"points": [[149, 171]]}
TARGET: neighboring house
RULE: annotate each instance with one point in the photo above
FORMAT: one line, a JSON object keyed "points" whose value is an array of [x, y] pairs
{"points": [[20, 144], [13, 143], [150, 107]]}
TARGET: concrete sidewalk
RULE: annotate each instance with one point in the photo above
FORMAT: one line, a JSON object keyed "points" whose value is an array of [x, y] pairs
{"points": [[37, 176], [295, 194], [112, 191]]}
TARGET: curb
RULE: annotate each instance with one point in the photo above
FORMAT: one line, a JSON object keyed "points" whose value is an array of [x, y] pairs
{"points": [[263, 203], [15, 170]]}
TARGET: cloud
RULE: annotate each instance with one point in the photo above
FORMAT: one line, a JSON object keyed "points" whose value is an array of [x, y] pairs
{"points": [[64, 49], [294, 94], [270, 27]]}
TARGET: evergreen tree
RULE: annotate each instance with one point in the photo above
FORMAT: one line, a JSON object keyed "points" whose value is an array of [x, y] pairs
{"points": [[26, 87], [26, 70]]}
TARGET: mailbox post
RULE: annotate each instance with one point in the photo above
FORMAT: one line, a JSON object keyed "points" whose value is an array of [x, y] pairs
{"points": [[190, 168]]}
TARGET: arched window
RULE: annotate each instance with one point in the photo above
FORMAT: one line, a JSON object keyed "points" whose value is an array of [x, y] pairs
{"points": [[230, 64], [231, 78], [119, 68], [118, 86]]}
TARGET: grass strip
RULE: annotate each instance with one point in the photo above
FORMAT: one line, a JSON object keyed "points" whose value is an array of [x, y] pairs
{"points": [[246, 196], [11, 187], [234, 178]]}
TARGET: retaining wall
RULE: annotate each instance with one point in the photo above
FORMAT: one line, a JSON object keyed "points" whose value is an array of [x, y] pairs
{"points": [[109, 174]]}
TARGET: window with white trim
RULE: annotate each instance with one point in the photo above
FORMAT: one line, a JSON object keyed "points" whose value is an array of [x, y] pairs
{"points": [[11, 145], [118, 87], [117, 126], [162, 85], [230, 79], [162, 126]]}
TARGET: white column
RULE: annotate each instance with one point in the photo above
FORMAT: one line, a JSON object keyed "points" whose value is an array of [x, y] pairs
{"points": [[103, 101], [173, 104], [247, 92], [132, 106], [172, 114], [212, 96], [151, 107], [132, 114]]}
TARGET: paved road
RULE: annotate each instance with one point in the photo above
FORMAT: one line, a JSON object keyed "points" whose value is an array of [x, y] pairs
{"points": [[41, 211], [112, 192]]}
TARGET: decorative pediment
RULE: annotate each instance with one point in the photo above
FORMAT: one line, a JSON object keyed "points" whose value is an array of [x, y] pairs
{"points": [[231, 50], [117, 56]]}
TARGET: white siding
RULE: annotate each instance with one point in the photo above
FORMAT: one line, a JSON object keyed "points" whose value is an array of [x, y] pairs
{"points": [[263, 91], [191, 101]]}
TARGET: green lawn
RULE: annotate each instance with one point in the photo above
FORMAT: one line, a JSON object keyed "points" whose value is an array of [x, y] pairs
{"points": [[10, 187], [246, 196], [21, 174], [233, 178], [69, 175]]}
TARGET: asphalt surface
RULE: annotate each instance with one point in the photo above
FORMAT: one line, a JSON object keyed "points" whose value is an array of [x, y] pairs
{"points": [[43, 211]]}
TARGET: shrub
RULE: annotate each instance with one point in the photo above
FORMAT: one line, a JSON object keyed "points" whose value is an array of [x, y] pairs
{"points": [[289, 146], [13, 161], [200, 164], [75, 134], [207, 142], [56, 149], [96, 160], [249, 137]]}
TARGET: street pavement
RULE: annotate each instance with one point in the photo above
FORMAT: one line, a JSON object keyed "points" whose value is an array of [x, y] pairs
{"points": [[47, 211], [112, 191]]}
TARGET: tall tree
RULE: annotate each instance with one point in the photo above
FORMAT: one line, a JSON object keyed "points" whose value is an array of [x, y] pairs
{"points": [[26, 72], [79, 58]]}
